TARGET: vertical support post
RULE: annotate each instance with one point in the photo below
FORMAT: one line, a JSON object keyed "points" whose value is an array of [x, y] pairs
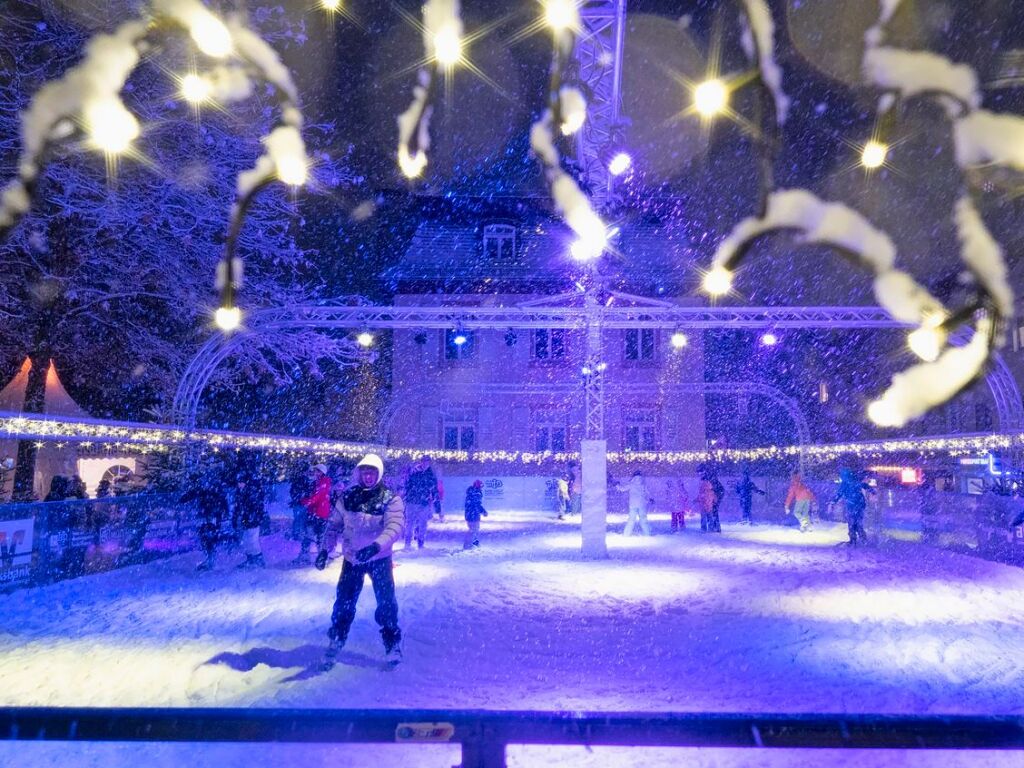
{"points": [[482, 754], [594, 522]]}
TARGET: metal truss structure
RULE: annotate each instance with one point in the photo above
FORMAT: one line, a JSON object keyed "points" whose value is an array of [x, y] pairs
{"points": [[590, 318], [599, 51]]}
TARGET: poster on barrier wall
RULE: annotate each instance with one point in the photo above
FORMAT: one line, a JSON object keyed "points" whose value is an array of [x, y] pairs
{"points": [[15, 551]]}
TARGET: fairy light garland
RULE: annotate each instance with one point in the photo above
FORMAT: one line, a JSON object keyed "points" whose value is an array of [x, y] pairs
{"points": [[163, 438], [980, 138], [86, 102]]}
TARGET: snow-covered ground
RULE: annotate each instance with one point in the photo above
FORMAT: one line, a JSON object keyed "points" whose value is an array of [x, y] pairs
{"points": [[761, 619]]}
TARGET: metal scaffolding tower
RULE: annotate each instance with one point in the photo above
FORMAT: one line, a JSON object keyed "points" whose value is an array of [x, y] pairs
{"points": [[599, 53]]}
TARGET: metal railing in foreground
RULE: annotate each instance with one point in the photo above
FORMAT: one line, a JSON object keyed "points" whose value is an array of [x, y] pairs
{"points": [[484, 735]]}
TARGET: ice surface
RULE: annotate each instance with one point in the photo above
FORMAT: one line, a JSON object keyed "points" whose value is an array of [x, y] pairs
{"points": [[757, 619]]}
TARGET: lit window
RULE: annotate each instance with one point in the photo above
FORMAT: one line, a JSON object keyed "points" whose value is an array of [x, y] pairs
{"points": [[549, 344], [499, 242], [639, 344]]}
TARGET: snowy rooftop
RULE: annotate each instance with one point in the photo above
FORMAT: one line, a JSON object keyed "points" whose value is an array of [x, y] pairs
{"points": [[646, 255]]}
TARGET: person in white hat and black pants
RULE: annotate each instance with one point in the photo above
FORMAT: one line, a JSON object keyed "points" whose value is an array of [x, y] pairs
{"points": [[373, 518]]}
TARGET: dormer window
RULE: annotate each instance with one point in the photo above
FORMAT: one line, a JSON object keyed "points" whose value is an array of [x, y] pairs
{"points": [[500, 242]]}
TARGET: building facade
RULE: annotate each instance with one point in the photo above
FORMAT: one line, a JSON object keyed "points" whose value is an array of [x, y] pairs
{"points": [[521, 389]]}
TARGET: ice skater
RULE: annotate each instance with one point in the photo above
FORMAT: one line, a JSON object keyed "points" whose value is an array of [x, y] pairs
{"points": [[421, 495], [206, 492], [746, 489], [681, 507], [851, 493], [637, 489], [318, 511], [562, 486], [474, 510], [710, 498], [249, 509], [373, 517], [799, 500]]}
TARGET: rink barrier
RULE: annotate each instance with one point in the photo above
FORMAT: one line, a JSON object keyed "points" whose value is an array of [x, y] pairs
{"points": [[484, 735], [74, 537]]}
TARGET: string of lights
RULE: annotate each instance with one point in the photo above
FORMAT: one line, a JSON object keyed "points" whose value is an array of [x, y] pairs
{"points": [[980, 139], [86, 103], [59, 432]]}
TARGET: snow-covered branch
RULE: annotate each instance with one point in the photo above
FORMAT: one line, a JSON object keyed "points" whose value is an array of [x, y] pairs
{"points": [[442, 44], [87, 98], [567, 110], [980, 137]]}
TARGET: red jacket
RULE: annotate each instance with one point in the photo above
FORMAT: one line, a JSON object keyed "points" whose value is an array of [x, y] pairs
{"points": [[319, 502]]}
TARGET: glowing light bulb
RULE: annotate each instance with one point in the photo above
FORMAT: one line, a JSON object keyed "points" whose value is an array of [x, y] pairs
{"points": [[195, 89], [927, 343], [330, 5], [460, 339], [228, 318], [292, 170], [561, 14], [769, 339], [591, 233], [710, 97], [411, 165], [718, 281], [111, 127], [448, 45], [620, 164], [211, 36], [365, 339], [679, 340], [874, 154]]}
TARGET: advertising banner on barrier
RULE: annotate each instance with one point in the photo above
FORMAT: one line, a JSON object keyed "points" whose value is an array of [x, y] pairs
{"points": [[15, 551]]}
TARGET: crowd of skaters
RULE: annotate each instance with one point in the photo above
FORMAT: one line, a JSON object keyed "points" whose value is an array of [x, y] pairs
{"points": [[800, 502], [368, 517]]}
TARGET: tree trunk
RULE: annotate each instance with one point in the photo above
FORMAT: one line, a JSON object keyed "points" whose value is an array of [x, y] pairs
{"points": [[35, 398]]}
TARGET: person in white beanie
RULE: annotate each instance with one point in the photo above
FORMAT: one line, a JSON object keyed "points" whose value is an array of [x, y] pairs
{"points": [[373, 518]]}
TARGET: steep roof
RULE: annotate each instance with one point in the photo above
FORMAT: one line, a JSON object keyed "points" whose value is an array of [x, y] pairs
{"points": [[448, 249]]}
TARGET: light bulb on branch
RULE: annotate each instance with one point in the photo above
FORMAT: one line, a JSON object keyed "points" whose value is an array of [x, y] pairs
{"points": [[210, 35], [710, 98], [196, 89], [110, 126], [873, 155], [561, 14], [927, 342], [448, 45], [718, 281]]}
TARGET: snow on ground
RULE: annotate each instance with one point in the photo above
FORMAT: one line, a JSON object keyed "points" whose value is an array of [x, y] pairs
{"points": [[761, 619]]}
